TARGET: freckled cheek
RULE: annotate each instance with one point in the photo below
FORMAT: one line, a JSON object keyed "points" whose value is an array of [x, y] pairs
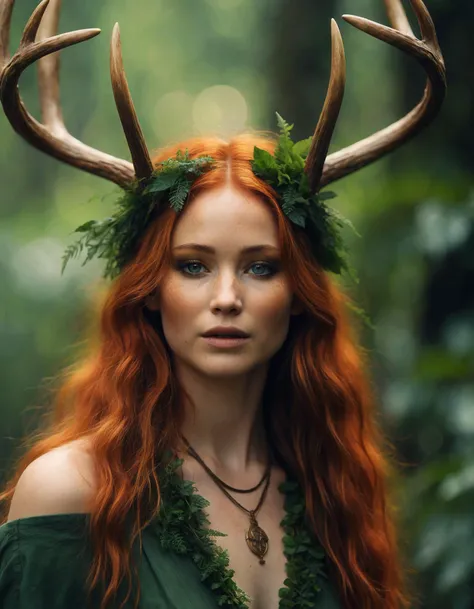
{"points": [[271, 314], [179, 309]]}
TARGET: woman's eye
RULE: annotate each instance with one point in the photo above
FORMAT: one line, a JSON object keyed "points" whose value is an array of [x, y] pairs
{"points": [[186, 265]]}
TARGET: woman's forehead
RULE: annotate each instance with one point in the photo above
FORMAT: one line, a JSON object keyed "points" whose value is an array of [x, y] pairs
{"points": [[226, 215]]}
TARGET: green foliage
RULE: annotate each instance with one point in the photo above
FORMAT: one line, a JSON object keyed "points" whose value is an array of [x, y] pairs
{"points": [[181, 525], [417, 268], [284, 171], [181, 528], [116, 238], [306, 567]]}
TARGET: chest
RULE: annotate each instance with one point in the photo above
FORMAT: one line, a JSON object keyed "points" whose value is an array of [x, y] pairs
{"points": [[260, 582]]}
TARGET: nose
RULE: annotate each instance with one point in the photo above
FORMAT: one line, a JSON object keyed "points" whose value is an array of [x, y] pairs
{"points": [[226, 293]]}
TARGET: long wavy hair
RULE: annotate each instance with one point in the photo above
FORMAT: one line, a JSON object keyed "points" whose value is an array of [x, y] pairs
{"points": [[318, 407]]}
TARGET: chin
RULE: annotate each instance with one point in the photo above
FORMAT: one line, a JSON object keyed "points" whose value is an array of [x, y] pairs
{"points": [[230, 368], [220, 364]]}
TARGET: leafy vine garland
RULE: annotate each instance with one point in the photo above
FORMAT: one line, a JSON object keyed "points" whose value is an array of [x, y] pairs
{"points": [[181, 527], [116, 238]]}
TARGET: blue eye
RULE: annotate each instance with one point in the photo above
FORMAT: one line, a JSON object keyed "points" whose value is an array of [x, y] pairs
{"points": [[182, 266]]}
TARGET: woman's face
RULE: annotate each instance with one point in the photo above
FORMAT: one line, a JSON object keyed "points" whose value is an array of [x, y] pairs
{"points": [[226, 286]]}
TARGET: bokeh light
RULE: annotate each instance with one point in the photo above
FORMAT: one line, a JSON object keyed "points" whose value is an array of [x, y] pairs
{"points": [[220, 109]]}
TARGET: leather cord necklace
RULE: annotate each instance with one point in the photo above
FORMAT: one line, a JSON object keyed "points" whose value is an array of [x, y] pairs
{"points": [[255, 536]]}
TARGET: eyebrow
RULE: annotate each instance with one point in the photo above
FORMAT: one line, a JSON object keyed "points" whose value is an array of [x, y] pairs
{"points": [[208, 248]]}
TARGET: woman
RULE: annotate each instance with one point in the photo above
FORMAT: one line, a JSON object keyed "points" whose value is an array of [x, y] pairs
{"points": [[119, 500]]}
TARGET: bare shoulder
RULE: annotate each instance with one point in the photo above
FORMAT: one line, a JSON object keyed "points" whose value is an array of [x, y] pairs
{"points": [[59, 482]]}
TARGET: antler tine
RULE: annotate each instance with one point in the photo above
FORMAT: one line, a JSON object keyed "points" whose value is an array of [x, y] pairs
{"points": [[330, 112], [126, 109], [428, 53], [48, 74], [427, 27], [6, 9], [51, 137], [33, 24], [397, 16]]}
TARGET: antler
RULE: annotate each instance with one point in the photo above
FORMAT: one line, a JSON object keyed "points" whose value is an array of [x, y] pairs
{"points": [[330, 112], [51, 136], [426, 51]]}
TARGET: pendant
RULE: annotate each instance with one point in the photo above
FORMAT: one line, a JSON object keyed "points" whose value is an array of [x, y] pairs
{"points": [[256, 538]]}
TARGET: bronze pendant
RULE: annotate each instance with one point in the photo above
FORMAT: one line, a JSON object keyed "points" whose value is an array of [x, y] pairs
{"points": [[257, 539]]}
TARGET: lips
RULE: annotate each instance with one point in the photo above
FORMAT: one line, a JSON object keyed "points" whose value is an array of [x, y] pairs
{"points": [[226, 333], [225, 336]]}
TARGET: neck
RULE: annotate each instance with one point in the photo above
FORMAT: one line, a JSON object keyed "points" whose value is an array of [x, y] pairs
{"points": [[225, 426]]}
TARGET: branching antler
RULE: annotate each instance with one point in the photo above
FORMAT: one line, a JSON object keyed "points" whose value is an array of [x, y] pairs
{"points": [[426, 51], [52, 137], [39, 43]]}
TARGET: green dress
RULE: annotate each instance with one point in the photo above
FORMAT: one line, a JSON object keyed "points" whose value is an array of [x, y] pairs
{"points": [[45, 560]]}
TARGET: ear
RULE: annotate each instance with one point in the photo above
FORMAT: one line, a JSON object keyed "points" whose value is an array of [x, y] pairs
{"points": [[152, 301]]}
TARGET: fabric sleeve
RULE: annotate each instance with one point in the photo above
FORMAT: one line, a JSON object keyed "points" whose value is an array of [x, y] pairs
{"points": [[44, 563]]}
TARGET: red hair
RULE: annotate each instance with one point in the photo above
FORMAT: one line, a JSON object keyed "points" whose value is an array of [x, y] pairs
{"points": [[318, 406]]}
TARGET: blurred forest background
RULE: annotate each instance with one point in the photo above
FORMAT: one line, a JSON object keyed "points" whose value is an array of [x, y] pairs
{"points": [[200, 66]]}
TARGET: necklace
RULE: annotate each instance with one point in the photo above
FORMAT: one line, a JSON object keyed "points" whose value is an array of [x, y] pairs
{"points": [[213, 475], [182, 527], [256, 538]]}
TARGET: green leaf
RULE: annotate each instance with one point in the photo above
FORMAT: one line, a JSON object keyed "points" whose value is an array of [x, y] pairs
{"points": [[285, 128], [298, 218], [86, 226], [326, 195], [264, 163], [303, 146], [163, 181], [179, 193]]}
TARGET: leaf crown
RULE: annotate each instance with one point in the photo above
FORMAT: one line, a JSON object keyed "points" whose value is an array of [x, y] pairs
{"points": [[116, 238]]}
